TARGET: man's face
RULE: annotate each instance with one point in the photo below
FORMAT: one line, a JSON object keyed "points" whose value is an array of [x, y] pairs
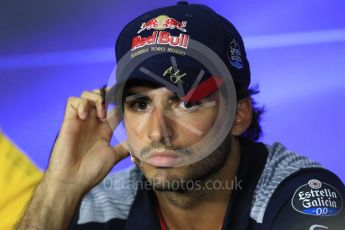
{"points": [[163, 133]]}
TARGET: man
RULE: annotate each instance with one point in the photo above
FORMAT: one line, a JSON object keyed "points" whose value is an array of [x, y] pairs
{"points": [[182, 92]]}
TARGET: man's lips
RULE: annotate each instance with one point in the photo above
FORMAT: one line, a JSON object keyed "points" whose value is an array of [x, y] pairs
{"points": [[163, 159]]}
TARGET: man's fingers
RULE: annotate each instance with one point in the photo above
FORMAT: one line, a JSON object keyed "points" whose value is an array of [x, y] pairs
{"points": [[97, 101], [84, 107], [71, 111], [79, 108]]}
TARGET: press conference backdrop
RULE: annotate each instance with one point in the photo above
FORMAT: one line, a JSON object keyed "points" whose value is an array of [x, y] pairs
{"points": [[51, 50]]}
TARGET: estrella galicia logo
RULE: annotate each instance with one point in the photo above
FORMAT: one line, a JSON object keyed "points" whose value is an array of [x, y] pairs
{"points": [[318, 199], [235, 56]]}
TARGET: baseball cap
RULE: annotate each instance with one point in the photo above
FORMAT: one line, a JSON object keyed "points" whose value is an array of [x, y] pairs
{"points": [[159, 42]]}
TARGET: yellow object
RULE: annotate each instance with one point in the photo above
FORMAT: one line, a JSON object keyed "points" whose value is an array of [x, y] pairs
{"points": [[18, 178]]}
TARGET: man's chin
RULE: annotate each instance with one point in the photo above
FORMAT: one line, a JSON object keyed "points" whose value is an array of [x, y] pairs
{"points": [[161, 172], [163, 175]]}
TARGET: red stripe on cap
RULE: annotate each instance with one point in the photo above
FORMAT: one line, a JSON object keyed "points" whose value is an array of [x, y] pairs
{"points": [[203, 90]]}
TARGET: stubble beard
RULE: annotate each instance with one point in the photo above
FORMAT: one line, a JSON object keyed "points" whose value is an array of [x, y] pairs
{"points": [[195, 174]]}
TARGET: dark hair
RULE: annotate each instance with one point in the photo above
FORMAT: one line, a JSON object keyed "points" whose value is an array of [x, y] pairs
{"points": [[254, 131]]}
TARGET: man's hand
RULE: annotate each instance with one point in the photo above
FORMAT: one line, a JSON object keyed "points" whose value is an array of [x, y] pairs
{"points": [[82, 155], [81, 158]]}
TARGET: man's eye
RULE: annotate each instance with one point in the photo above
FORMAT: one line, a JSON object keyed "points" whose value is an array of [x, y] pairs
{"points": [[189, 106], [140, 106]]}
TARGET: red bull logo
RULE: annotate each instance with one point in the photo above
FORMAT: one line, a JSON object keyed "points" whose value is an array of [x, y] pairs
{"points": [[161, 38], [163, 22]]}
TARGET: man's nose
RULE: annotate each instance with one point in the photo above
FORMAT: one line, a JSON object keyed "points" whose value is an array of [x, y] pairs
{"points": [[159, 127]]}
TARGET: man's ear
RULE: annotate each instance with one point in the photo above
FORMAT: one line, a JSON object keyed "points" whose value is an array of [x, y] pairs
{"points": [[243, 117]]}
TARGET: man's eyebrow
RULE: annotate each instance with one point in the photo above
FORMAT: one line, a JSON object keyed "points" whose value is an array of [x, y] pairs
{"points": [[130, 96]]}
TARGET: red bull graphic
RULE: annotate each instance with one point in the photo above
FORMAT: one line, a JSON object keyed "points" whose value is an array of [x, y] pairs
{"points": [[163, 22], [153, 23], [161, 38], [172, 23]]}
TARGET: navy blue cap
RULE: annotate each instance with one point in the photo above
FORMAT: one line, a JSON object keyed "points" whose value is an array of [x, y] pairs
{"points": [[167, 32]]}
